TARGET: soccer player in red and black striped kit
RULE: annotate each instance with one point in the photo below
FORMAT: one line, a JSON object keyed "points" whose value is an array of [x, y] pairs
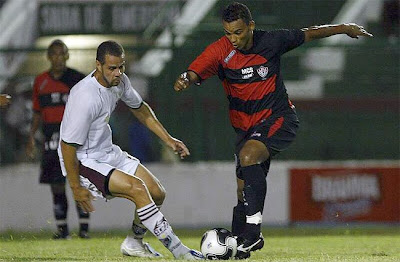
{"points": [[50, 93], [247, 61]]}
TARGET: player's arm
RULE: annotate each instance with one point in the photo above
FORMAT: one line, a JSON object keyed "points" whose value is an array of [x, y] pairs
{"points": [[203, 67], [148, 118], [31, 144], [185, 80], [322, 31], [81, 194]]}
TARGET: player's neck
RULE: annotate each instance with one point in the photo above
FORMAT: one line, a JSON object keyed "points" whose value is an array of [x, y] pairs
{"points": [[249, 44], [100, 79]]}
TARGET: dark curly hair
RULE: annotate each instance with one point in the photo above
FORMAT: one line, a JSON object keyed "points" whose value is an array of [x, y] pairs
{"points": [[235, 11], [108, 48]]}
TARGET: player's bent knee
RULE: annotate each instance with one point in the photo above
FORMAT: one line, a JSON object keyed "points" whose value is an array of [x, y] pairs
{"points": [[253, 154], [159, 196], [136, 189], [247, 160], [123, 184]]}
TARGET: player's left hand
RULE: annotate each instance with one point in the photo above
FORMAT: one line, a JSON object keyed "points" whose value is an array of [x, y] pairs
{"points": [[354, 31], [179, 148]]}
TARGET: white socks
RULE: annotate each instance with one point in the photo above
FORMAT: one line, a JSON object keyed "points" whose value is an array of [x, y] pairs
{"points": [[154, 220]]}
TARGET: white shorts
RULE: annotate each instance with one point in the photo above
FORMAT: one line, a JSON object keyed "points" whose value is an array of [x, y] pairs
{"points": [[95, 169]]}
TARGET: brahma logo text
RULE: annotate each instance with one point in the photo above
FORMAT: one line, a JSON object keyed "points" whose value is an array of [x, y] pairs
{"points": [[345, 188]]}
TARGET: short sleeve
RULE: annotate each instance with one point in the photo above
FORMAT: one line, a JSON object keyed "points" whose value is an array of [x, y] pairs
{"points": [[129, 95], [207, 63], [77, 118], [285, 40]]}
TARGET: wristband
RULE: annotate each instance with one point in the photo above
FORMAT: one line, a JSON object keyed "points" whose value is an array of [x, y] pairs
{"points": [[185, 76]]}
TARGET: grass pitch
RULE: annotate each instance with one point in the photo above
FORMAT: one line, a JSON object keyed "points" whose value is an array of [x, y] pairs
{"points": [[281, 244]]}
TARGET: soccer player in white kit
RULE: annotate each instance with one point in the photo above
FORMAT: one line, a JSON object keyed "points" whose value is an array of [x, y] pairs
{"points": [[95, 167]]}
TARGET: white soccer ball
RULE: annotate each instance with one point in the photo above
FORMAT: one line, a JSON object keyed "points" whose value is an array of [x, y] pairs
{"points": [[218, 243]]}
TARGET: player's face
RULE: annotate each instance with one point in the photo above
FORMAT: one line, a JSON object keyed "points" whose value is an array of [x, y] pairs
{"points": [[239, 33], [58, 57], [111, 70]]}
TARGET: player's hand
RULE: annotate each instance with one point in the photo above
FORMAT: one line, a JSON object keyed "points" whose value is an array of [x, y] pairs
{"points": [[354, 31], [179, 148], [30, 149], [5, 100], [84, 198], [182, 82]]}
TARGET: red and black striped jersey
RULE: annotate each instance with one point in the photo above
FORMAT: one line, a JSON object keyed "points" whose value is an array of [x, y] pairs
{"points": [[251, 78], [50, 96]]}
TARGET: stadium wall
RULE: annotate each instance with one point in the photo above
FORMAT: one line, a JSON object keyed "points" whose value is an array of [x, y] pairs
{"points": [[198, 195]]}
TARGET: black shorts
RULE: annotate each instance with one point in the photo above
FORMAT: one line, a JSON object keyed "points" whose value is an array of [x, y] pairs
{"points": [[276, 133], [50, 169]]}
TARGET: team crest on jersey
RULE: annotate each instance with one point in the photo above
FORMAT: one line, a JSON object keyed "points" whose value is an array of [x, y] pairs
{"points": [[262, 71], [231, 54]]}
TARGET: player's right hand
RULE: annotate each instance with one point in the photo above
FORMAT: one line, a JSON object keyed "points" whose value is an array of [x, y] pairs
{"points": [[84, 198], [182, 82]]}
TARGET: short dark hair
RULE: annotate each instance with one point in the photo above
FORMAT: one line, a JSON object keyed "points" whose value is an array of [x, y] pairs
{"points": [[57, 42], [108, 48], [235, 11]]}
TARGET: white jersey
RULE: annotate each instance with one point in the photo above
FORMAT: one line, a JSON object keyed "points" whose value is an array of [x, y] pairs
{"points": [[87, 113]]}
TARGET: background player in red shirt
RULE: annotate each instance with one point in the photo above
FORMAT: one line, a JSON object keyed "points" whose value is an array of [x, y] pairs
{"points": [[50, 93], [247, 61]]}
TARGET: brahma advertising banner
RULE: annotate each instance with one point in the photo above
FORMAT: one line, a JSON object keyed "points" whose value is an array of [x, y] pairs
{"points": [[341, 194]]}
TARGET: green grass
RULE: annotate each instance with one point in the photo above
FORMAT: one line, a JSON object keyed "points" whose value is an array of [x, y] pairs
{"points": [[282, 244]]}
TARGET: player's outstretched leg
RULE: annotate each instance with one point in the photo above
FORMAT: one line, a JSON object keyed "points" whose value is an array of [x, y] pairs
{"points": [[135, 189], [155, 221], [133, 245]]}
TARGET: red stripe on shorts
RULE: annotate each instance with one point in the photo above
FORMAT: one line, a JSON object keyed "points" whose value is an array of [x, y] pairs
{"points": [[278, 123]]}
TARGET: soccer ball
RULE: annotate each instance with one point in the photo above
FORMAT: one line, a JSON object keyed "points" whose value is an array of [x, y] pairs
{"points": [[218, 243]]}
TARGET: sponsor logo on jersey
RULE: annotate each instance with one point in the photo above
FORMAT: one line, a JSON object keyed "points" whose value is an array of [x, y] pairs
{"points": [[52, 143], [247, 72], [262, 71], [231, 54]]}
